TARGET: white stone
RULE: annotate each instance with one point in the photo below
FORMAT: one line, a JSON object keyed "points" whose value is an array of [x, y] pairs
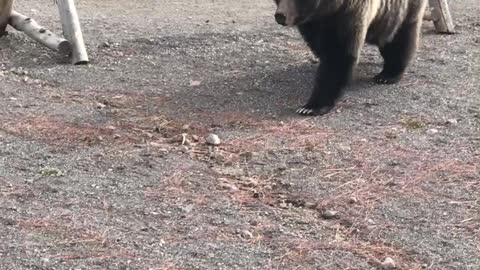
{"points": [[388, 263], [213, 139]]}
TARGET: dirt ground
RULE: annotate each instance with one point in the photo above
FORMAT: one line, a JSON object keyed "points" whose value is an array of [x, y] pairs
{"points": [[106, 167]]}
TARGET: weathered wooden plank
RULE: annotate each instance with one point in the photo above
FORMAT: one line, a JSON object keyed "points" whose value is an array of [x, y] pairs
{"points": [[441, 17]]}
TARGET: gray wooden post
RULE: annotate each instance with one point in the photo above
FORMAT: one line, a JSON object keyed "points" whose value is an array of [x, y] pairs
{"points": [[72, 31], [441, 17]]}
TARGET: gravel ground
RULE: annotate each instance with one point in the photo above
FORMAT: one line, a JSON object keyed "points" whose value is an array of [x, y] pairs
{"points": [[107, 166]]}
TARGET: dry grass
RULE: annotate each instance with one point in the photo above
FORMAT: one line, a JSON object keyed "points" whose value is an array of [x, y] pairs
{"points": [[65, 232], [61, 134], [374, 253], [60, 234], [293, 135], [55, 132], [172, 186]]}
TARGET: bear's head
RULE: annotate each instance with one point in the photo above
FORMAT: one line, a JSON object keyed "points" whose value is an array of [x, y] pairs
{"points": [[297, 12]]}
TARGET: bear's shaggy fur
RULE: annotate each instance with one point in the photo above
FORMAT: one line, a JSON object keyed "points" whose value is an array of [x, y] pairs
{"points": [[336, 31]]}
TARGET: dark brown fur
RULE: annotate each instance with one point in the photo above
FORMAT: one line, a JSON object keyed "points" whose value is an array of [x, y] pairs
{"points": [[336, 31]]}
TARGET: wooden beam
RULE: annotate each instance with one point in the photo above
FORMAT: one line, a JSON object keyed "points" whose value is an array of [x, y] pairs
{"points": [[5, 12], [32, 29], [72, 31], [440, 14]]}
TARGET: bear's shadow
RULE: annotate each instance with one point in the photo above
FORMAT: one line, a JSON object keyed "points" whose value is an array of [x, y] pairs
{"points": [[271, 92]]}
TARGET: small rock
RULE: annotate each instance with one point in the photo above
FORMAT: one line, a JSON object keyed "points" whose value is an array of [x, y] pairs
{"points": [[185, 127], [187, 209], [344, 147], [393, 163], [195, 83], [432, 131], [246, 234], [100, 105], [283, 205], [230, 171], [353, 200], [282, 167], [195, 138], [231, 187], [388, 263], [452, 122], [391, 184], [213, 139], [252, 183], [330, 214], [183, 149], [310, 205]]}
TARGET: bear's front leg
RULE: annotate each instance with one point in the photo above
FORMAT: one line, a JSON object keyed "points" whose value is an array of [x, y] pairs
{"points": [[332, 76]]}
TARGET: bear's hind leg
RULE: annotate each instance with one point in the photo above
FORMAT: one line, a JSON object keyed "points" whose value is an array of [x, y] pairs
{"points": [[398, 53]]}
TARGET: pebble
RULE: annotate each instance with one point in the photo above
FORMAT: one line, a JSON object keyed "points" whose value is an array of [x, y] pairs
{"points": [[187, 209], [246, 234], [432, 131], [230, 171], [344, 147], [283, 205], [310, 205], [162, 151], [452, 122], [330, 214], [213, 139], [282, 167], [388, 263], [249, 182], [231, 187], [353, 200]]}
